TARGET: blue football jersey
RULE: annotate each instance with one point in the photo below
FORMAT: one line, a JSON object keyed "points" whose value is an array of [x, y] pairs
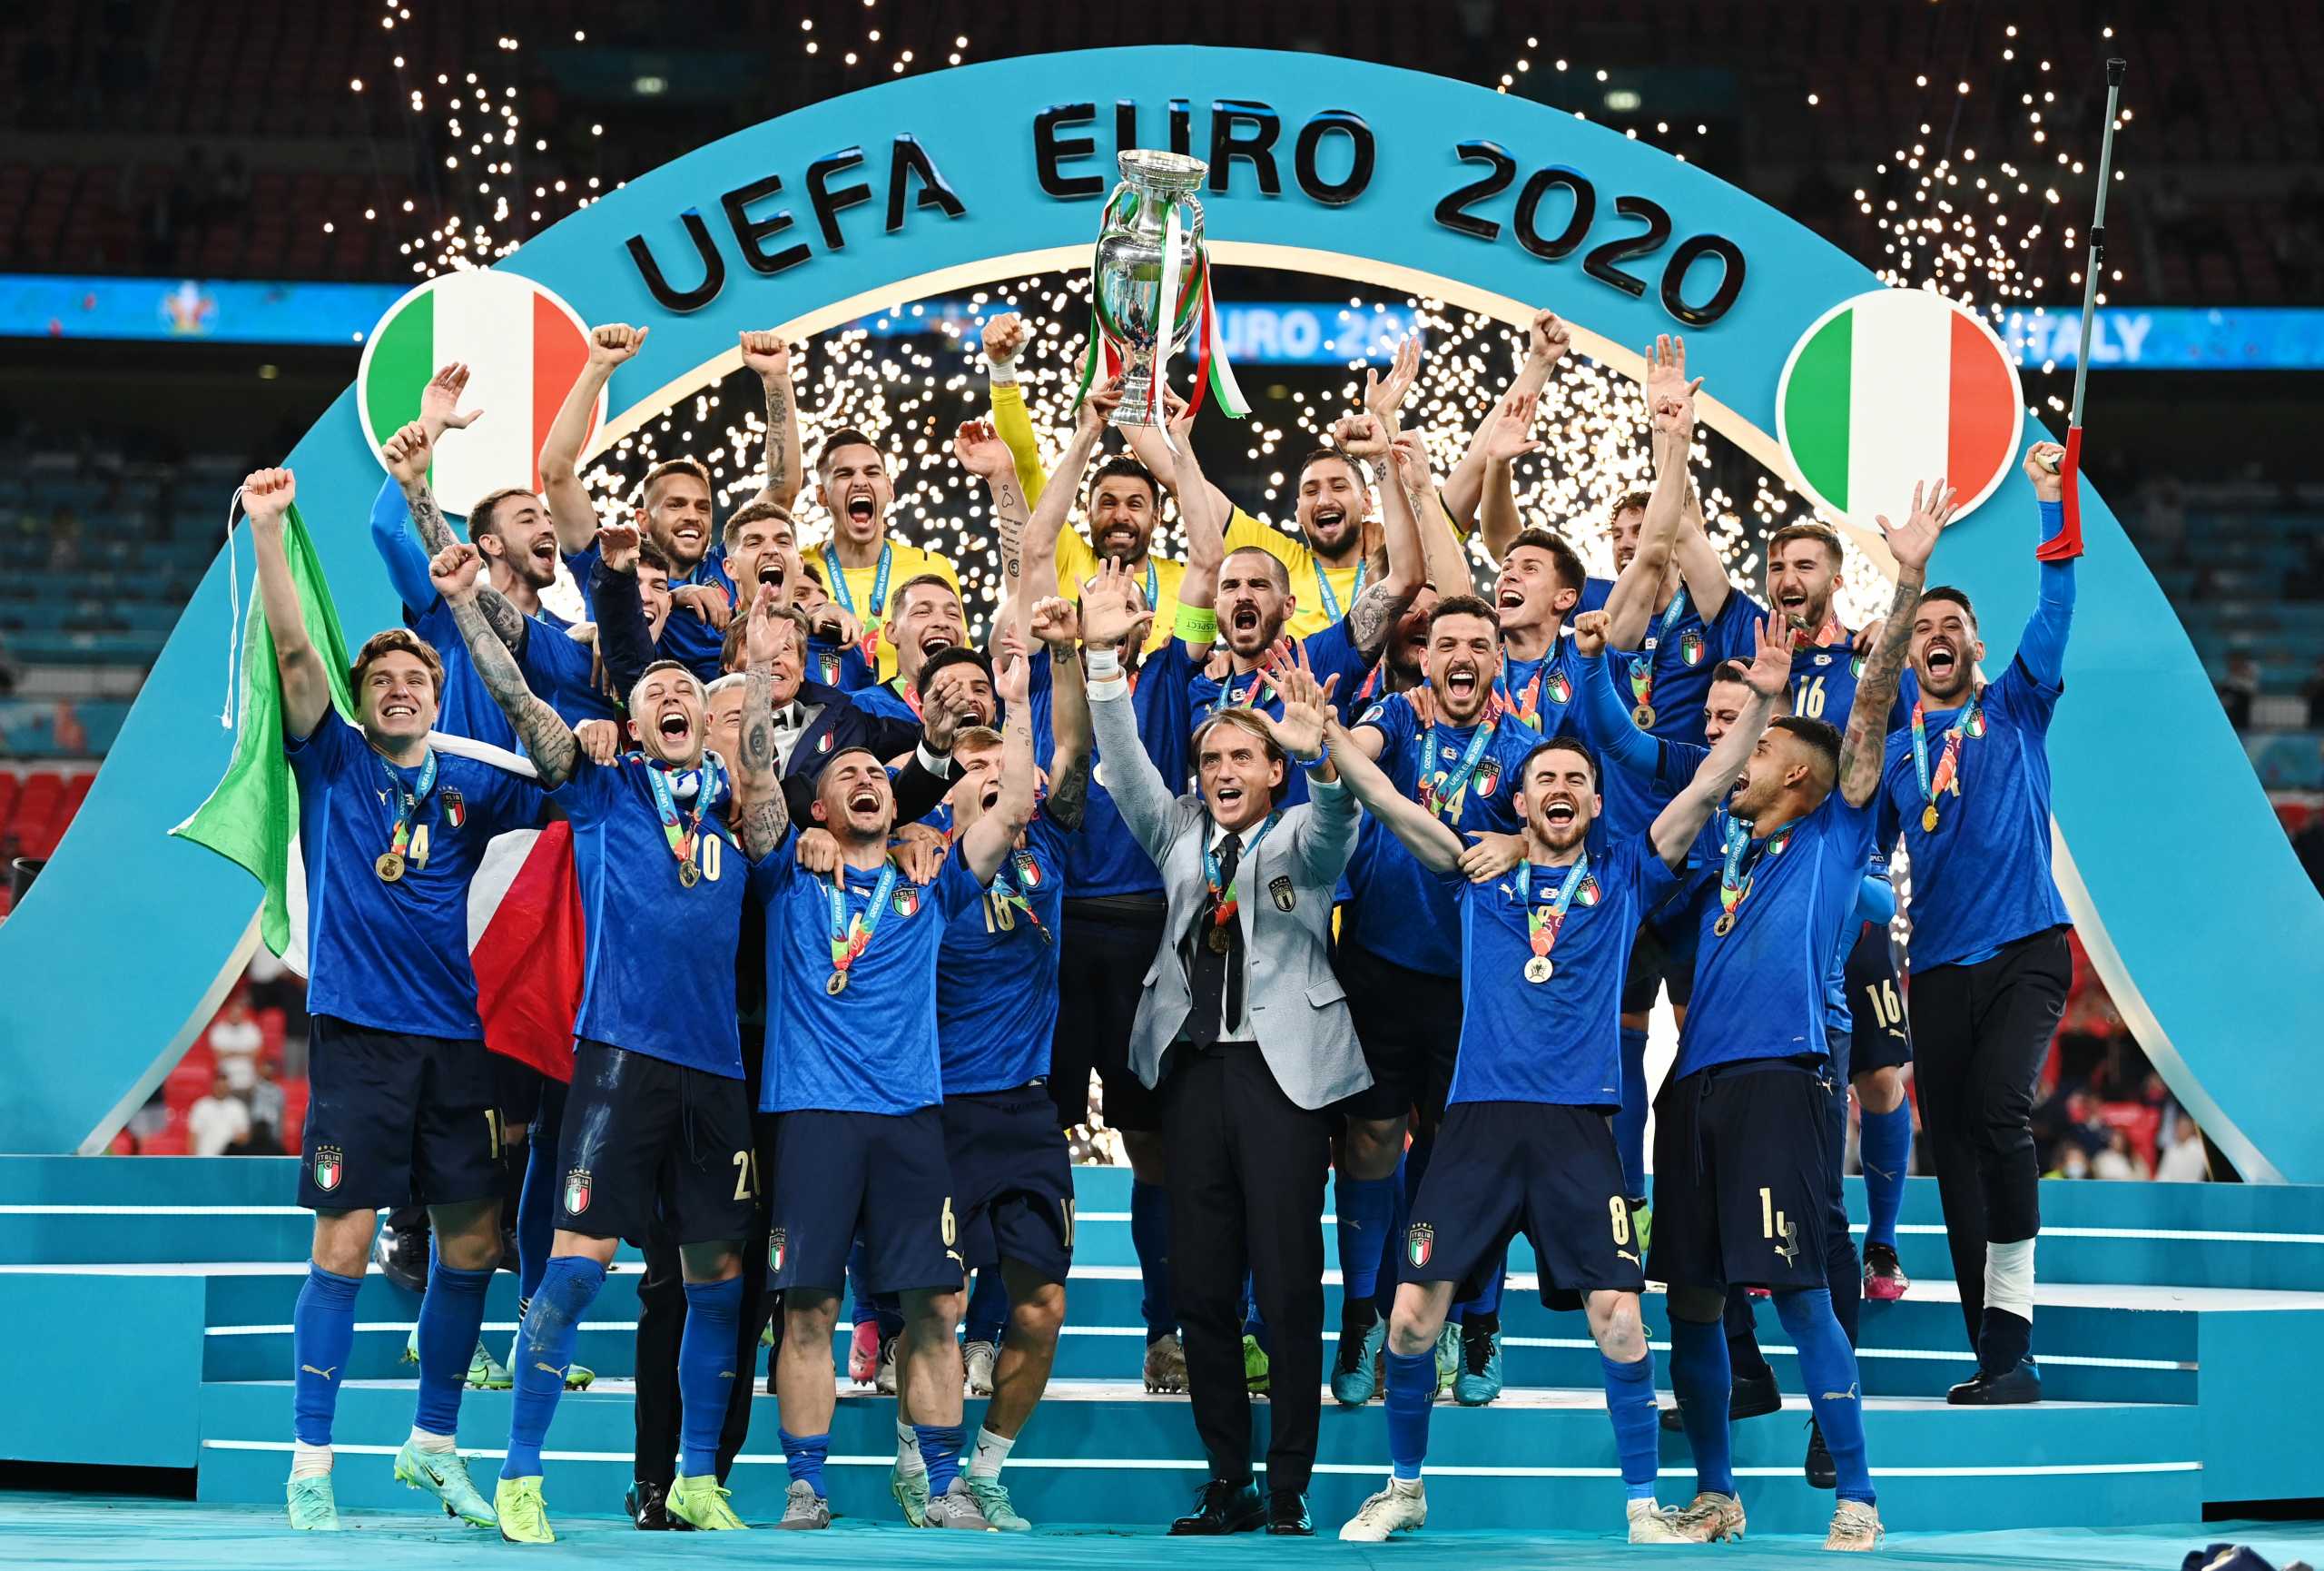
{"points": [[1105, 859], [1330, 653], [996, 971], [394, 956], [658, 957], [1539, 693], [1671, 676]]}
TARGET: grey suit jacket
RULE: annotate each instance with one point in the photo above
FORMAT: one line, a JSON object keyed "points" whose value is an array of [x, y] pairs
{"points": [[1298, 1011]]}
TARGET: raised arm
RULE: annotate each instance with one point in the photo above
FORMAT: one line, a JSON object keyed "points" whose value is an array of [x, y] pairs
{"points": [[267, 496], [1057, 626], [1203, 509], [1683, 818], [1138, 791], [1864, 750], [1466, 488], [986, 844], [406, 561], [1324, 839], [409, 452], [1443, 549], [1182, 480], [762, 811], [1605, 718], [569, 507], [2043, 648], [547, 738], [1432, 841], [1005, 337], [1671, 406], [766, 354], [625, 633], [1371, 618]]}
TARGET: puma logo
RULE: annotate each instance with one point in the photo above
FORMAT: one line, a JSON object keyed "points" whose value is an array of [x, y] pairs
{"points": [[1849, 1395], [1626, 1255], [1789, 1248], [310, 1370], [550, 1369]]}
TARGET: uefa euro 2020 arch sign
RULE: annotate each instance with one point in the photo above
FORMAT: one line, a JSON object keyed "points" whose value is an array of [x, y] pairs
{"points": [[2183, 888]]}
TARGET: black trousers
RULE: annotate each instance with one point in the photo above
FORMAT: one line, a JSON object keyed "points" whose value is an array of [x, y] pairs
{"points": [[1980, 1033], [1247, 1166]]}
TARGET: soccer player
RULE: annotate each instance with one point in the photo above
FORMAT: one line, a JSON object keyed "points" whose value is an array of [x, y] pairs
{"points": [[855, 1078], [924, 620], [1741, 1171], [1968, 781], [657, 1121], [863, 562], [390, 832], [1526, 1142]]}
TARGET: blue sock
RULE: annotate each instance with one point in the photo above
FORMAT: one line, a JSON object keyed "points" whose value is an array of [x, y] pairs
{"points": [[1827, 1369], [1254, 1324], [450, 1314], [1630, 1120], [1366, 1207], [1383, 1298], [890, 1315], [1488, 1299], [940, 1448], [323, 1334], [536, 1219], [859, 1292], [544, 1352], [1149, 1235], [803, 1455], [1630, 1403], [1887, 1150], [706, 1372], [988, 1312], [1699, 1375], [1411, 1391]]}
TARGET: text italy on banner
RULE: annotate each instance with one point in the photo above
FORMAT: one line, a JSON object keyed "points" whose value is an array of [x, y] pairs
{"points": [[1893, 388], [251, 818], [523, 347]]}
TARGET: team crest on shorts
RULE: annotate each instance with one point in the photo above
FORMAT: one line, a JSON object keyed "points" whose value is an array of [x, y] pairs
{"points": [[1691, 647], [778, 1247], [1286, 896], [577, 1184], [1488, 776], [330, 1166], [456, 811], [1420, 1243], [907, 902]]}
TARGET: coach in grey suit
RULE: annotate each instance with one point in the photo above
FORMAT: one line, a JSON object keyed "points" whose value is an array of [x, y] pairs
{"points": [[1245, 1030]]}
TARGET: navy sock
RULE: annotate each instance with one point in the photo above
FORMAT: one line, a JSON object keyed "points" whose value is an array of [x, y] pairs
{"points": [[1844, 1279], [988, 1311], [1488, 1299], [544, 1353], [859, 1292], [890, 1315], [1700, 1376], [1254, 1324], [450, 1314], [323, 1334], [2003, 1340], [1149, 1235], [1744, 1359], [1411, 1391], [1630, 1404], [803, 1455], [1366, 1207], [1383, 1297], [1630, 1119], [940, 1448], [535, 1219], [706, 1372], [1827, 1369], [1887, 1150]]}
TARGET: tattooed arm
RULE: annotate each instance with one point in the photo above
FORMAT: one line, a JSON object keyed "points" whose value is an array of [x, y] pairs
{"points": [[408, 453], [1864, 750], [762, 811], [547, 740], [1058, 625], [770, 357]]}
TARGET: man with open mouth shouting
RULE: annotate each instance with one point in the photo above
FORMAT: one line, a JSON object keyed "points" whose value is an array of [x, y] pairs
{"points": [[863, 564]]}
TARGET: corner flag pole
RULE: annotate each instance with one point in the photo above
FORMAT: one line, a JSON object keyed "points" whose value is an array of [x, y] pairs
{"points": [[2067, 543]]}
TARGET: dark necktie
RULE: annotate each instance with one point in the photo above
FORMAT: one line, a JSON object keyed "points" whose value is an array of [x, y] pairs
{"points": [[1216, 978]]}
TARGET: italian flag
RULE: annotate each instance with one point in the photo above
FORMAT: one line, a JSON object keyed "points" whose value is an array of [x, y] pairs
{"points": [[1893, 388], [523, 346]]}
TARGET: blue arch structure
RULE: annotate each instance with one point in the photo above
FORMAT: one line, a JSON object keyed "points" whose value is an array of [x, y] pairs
{"points": [[2185, 892]]}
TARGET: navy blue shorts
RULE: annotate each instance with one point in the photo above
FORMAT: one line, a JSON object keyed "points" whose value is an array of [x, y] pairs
{"points": [[1012, 1186], [1409, 1024], [884, 1175], [396, 1120], [645, 1139], [1742, 1176], [1546, 1170], [1881, 1038]]}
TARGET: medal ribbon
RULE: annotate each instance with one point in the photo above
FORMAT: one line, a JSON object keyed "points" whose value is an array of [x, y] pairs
{"points": [[1948, 763], [1329, 600], [1440, 790], [846, 597], [1006, 890], [1527, 708], [1225, 902], [409, 799], [1641, 668], [851, 935], [1542, 925], [1731, 892], [1226, 699], [680, 834]]}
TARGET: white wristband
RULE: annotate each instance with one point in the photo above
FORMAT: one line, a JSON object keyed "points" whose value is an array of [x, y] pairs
{"points": [[1105, 664], [1001, 372]]}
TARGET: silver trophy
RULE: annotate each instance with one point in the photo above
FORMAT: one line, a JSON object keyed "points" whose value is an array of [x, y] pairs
{"points": [[1126, 281]]}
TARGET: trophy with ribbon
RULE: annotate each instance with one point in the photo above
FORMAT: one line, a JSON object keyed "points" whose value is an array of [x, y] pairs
{"points": [[1149, 290]]}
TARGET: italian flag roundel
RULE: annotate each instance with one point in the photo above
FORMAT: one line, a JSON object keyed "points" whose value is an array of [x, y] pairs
{"points": [[523, 346], [1893, 388]]}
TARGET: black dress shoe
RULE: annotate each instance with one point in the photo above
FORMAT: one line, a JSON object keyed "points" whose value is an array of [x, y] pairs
{"points": [[2011, 1387], [648, 1509], [1750, 1397], [1288, 1514], [1221, 1508], [1821, 1473]]}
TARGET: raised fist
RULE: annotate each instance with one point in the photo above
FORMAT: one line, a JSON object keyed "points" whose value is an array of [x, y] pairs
{"points": [[1589, 632], [1364, 435], [614, 342], [267, 494], [408, 453], [453, 572], [1004, 338], [766, 353], [1547, 338]]}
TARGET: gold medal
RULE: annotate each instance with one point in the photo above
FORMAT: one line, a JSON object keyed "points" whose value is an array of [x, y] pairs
{"points": [[689, 875], [1217, 940], [389, 866], [1538, 969], [1928, 818], [837, 984], [1724, 925], [1644, 717]]}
